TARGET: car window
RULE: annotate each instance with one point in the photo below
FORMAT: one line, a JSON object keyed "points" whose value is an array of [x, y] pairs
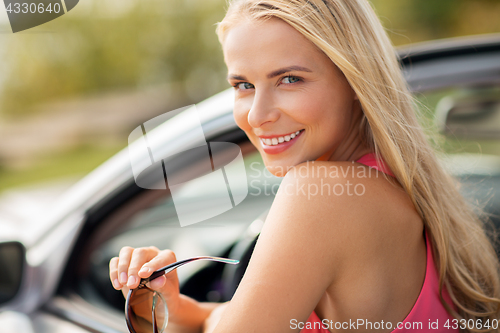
{"points": [[151, 218], [463, 123]]}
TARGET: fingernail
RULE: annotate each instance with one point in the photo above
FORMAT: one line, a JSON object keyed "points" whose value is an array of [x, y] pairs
{"points": [[145, 270], [116, 284], [123, 278], [158, 282], [131, 281]]}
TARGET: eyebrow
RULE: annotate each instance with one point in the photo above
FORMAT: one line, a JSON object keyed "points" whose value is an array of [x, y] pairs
{"points": [[273, 73], [286, 70]]}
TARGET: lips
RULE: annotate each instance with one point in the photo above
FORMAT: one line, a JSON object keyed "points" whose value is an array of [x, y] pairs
{"points": [[278, 144]]}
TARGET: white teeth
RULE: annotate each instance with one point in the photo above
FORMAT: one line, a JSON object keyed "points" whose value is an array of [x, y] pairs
{"points": [[280, 139]]}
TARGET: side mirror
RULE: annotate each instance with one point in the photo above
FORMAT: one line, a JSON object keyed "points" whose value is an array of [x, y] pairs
{"points": [[471, 115], [12, 257]]}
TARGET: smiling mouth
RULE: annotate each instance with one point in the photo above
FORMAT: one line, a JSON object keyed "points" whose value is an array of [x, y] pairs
{"points": [[280, 139]]}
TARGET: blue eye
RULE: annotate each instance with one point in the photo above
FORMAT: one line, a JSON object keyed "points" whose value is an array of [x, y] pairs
{"points": [[244, 85], [290, 79]]}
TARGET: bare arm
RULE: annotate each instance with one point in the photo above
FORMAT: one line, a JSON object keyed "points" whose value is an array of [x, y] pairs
{"points": [[213, 319]]}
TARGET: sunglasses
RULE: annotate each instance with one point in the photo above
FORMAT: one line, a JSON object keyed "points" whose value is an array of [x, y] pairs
{"points": [[145, 309]]}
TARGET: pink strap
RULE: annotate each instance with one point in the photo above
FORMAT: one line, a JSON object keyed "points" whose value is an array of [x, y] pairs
{"points": [[371, 161], [428, 309], [314, 325]]}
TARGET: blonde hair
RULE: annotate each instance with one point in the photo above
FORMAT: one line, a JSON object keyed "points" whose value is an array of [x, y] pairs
{"points": [[351, 35]]}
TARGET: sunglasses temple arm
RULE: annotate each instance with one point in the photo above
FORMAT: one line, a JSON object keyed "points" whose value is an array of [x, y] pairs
{"points": [[175, 265]]}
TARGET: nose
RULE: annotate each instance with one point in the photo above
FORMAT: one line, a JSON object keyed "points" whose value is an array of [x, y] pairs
{"points": [[263, 110]]}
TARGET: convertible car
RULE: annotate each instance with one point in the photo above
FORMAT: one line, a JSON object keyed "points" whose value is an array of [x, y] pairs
{"points": [[54, 277]]}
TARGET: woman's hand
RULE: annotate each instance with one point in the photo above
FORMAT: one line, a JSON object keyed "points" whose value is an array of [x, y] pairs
{"points": [[126, 271]]}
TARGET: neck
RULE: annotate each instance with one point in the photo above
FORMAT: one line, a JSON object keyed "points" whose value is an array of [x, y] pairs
{"points": [[353, 147]]}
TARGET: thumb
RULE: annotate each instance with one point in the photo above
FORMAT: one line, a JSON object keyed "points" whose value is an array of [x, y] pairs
{"points": [[125, 291], [158, 283]]}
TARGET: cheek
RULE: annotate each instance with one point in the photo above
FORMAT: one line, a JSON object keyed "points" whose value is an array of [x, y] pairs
{"points": [[315, 110]]}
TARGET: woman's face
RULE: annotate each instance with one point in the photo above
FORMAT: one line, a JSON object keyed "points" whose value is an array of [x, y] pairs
{"points": [[291, 100]]}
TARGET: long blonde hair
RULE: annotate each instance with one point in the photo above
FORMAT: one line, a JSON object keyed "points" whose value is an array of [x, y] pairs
{"points": [[351, 35]]}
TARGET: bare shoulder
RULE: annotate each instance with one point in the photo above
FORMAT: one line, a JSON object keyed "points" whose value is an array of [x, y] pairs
{"points": [[352, 189], [351, 207]]}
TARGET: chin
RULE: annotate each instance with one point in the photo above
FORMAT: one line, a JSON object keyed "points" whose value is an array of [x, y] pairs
{"points": [[277, 170]]}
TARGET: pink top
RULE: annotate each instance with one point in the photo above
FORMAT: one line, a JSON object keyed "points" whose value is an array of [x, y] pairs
{"points": [[427, 309]]}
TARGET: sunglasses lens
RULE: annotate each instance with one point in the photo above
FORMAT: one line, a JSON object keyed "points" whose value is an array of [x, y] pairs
{"points": [[147, 311]]}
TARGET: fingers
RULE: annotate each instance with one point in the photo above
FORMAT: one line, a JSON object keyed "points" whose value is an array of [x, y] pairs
{"points": [[123, 264], [126, 271], [123, 269], [113, 273], [158, 283], [139, 257], [125, 291], [163, 258]]}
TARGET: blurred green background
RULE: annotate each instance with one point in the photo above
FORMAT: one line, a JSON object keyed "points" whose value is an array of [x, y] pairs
{"points": [[72, 89]]}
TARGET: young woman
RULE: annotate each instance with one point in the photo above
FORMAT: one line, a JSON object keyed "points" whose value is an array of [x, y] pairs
{"points": [[366, 228]]}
